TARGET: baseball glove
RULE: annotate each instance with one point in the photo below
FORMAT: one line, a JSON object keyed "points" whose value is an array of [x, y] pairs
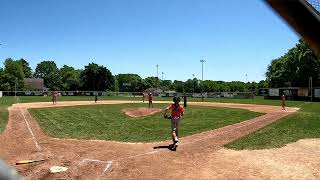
{"points": [[166, 116]]}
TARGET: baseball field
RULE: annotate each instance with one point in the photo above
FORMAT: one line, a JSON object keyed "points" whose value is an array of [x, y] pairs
{"points": [[117, 138]]}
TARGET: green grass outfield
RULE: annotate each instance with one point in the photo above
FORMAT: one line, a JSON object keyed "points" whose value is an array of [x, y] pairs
{"points": [[108, 122], [6, 101], [256, 100], [301, 125]]}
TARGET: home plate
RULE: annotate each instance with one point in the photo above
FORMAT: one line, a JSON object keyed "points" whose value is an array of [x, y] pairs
{"points": [[58, 169]]}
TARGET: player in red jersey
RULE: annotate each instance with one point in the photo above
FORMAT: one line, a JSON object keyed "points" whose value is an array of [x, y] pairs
{"points": [[177, 111]]}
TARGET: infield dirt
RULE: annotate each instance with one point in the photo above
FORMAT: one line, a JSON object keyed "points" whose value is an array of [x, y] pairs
{"points": [[200, 156]]}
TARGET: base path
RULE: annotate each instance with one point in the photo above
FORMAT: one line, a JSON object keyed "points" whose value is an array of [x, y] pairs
{"points": [[200, 156]]}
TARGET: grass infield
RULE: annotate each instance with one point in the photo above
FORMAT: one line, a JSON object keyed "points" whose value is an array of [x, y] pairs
{"points": [[301, 125], [256, 100], [108, 122]]}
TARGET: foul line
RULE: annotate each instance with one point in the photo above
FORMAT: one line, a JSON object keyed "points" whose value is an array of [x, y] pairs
{"points": [[108, 166], [33, 137]]}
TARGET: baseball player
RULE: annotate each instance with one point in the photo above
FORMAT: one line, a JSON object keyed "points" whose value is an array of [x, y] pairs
{"points": [[54, 97], [95, 98], [177, 111], [150, 99], [283, 100]]}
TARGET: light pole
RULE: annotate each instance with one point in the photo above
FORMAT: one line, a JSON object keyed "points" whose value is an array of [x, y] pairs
{"points": [[157, 71], [162, 75], [157, 76], [202, 61]]}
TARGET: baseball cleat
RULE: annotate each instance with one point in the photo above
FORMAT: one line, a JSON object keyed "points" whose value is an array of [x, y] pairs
{"points": [[174, 147]]}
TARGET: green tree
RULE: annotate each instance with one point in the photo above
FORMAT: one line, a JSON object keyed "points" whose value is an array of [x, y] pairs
{"points": [[190, 85], [48, 71], [252, 87], [178, 86], [26, 68], [135, 81], [12, 74], [294, 68], [53, 81], [2, 82], [96, 78], [262, 84], [44, 68], [151, 82], [70, 78], [166, 85]]}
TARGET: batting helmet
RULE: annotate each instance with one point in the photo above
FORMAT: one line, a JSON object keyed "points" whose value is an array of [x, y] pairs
{"points": [[176, 99]]}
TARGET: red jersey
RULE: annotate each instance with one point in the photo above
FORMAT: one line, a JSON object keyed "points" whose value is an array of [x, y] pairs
{"points": [[177, 110], [283, 98]]}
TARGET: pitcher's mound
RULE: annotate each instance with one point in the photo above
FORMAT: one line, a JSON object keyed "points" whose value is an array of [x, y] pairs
{"points": [[140, 112]]}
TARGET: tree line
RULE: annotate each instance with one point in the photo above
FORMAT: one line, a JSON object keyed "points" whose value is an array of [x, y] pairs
{"points": [[292, 69], [94, 77]]}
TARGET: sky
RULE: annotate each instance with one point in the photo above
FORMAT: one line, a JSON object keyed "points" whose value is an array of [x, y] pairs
{"points": [[133, 36]]}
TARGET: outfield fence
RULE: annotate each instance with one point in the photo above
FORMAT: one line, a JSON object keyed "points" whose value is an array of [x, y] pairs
{"points": [[236, 95]]}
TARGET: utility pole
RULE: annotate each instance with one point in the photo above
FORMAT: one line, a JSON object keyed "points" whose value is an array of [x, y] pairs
{"points": [[162, 75], [246, 78], [202, 61]]}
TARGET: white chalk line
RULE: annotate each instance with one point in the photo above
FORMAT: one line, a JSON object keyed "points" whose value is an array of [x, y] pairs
{"points": [[31, 132], [33, 137], [108, 165]]}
